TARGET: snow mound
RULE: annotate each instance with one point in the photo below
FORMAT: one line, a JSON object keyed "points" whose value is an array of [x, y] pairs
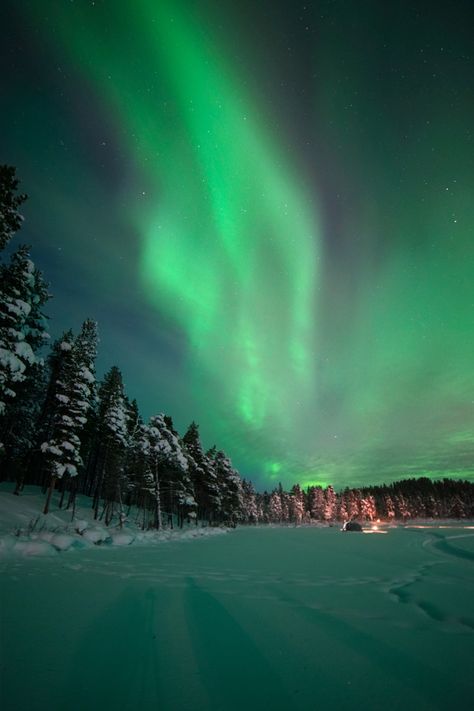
{"points": [[34, 548], [96, 535], [122, 539], [63, 541], [80, 526]]}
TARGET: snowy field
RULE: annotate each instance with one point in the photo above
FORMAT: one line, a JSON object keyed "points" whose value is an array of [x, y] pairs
{"points": [[259, 618]]}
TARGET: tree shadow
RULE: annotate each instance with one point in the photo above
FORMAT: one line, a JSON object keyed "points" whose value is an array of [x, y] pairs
{"points": [[115, 665], [233, 671], [438, 689]]}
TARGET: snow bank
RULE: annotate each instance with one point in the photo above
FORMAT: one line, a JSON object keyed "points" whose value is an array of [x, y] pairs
{"points": [[33, 548], [122, 539], [25, 531], [96, 535]]}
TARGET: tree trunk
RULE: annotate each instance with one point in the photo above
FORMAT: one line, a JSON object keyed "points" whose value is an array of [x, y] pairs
{"points": [[73, 504], [72, 494], [157, 502], [119, 496], [20, 483], [48, 497], [63, 491], [98, 489]]}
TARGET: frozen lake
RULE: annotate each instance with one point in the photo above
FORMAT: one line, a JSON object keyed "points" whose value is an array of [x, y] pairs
{"points": [[266, 618]]}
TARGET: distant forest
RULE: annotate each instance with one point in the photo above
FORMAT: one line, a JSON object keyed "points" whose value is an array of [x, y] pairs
{"points": [[62, 429]]}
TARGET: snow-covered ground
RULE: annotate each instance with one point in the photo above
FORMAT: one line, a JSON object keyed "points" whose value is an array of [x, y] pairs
{"points": [[260, 618], [25, 531]]}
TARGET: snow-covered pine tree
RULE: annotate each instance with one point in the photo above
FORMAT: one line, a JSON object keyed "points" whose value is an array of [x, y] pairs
{"points": [[275, 512], [330, 506], [296, 504], [179, 486], [285, 506], [401, 507], [262, 502], [10, 201], [367, 507], [230, 489], [317, 503], [353, 497], [23, 294], [249, 502], [36, 469], [114, 443], [18, 426], [85, 354], [73, 391], [342, 509], [203, 474], [162, 450], [137, 471], [389, 507], [131, 464]]}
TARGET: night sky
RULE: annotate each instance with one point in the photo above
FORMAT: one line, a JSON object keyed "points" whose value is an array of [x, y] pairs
{"points": [[269, 208]]}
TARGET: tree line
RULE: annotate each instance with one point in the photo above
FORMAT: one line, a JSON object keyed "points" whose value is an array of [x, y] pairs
{"points": [[62, 429], [402, 500]]}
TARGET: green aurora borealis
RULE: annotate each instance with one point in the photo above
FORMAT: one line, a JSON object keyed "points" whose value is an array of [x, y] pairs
{"points": [[270, 211]]}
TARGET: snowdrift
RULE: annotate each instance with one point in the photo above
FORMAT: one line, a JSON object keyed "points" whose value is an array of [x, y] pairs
{"points": [[26, 531]]}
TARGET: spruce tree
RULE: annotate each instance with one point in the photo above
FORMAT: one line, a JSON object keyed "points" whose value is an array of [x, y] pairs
{"points": [[163, 452], [317, 503], [85, 347], [180, 490], [330, 507], [73, 393], [18, 426], [10, 201], [23, 294], [250, 510], [342, 510], [275, 512], [113, 443], [228, 492], [203, 474], [297, 504]]}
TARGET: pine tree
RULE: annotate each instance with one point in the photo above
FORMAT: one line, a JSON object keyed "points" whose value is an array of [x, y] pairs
{"points": [[85, 348], [18, 426], [317, 503], [23, 293], [250, 510], [203, 474], [353, 503], [275, 512], [229, 489], [10, 201], [180, 490], [330, 505], [114, 441], [342, 508], [162, 450], [73, 393], [389, 507], [367, 508], [35, 468], [401, 507], [131, 464], [296, 504]]}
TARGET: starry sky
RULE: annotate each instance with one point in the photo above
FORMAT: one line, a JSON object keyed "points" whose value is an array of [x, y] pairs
{"points": [[269, 208]]}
